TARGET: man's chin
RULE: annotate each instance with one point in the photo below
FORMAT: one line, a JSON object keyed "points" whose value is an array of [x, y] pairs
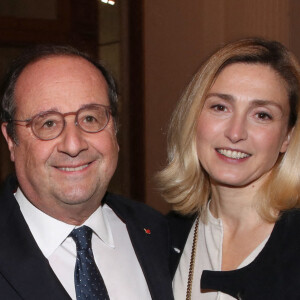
{"points": [[73, 197]]}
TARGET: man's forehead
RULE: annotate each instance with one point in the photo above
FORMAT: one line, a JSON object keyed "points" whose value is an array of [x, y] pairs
{"points": [[60, 67], [62, 77], [55, 63]]}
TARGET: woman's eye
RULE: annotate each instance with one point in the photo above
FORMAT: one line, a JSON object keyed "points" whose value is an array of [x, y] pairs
{"points": [[264, 116], [219, 107]]}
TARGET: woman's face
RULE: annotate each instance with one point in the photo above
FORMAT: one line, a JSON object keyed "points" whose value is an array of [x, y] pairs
{"points": [[243, 125]]}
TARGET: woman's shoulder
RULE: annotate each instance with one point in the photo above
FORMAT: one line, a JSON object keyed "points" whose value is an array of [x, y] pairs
{"points": [[180, 225], [286, 231], [290, 218]]}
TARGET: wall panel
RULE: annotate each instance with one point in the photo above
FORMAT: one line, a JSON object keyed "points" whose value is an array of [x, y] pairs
{"points": [[178, 36]]}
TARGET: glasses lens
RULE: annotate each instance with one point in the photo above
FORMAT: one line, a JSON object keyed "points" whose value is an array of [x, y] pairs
{"points": [[48, 126], [93, 119]]}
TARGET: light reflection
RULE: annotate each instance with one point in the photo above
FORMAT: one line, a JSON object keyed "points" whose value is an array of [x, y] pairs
{"points": [[111, 2]]}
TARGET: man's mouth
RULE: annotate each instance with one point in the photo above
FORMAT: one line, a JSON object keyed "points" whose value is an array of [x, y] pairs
{"points": [[233, 153], [70, 169]]}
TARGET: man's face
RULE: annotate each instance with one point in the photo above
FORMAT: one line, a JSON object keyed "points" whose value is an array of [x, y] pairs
{"points": [[65, 177]]}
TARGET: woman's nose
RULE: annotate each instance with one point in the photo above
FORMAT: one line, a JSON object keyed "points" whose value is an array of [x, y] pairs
{"points": [[236, 129]]}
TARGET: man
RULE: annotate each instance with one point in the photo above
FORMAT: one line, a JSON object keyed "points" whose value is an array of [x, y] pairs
{"points": [[59, 120]]}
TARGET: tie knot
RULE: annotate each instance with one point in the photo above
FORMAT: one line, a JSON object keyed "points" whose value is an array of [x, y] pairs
{"points": [[82, 237]]}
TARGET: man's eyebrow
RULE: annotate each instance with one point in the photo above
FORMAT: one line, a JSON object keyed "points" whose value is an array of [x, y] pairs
{"points": [[42, 112], [88, 105], [254, 102], [55, 109]]}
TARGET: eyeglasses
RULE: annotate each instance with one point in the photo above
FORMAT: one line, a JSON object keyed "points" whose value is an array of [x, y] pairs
{"points": [[50, 124]]}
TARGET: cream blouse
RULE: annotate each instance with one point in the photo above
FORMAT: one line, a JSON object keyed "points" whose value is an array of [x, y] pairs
{"points": [[208, 257]]}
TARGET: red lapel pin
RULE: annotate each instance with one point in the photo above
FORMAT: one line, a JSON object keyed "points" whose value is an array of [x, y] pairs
{"points": [[148, 231]]}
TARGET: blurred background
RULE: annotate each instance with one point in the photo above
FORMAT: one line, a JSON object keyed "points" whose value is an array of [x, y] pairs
{"points": [[152, 47]]}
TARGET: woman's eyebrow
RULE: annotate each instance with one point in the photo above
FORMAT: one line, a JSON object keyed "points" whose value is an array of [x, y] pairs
{"points": [[259, 102], [221, 95], [253, 102]]}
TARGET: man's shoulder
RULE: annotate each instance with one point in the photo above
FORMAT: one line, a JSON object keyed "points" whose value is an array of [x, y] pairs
{"points": [[7, 199], [125, 207]]}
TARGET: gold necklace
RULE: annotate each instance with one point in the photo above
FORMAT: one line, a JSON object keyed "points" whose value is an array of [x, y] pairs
{"points": [[192, 262]]}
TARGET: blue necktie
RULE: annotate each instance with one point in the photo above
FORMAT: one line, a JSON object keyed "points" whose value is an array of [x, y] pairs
{"points": [[89, 283]]}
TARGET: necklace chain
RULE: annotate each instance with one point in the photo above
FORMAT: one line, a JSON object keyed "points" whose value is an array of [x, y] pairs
{"points": [[192, 262]]}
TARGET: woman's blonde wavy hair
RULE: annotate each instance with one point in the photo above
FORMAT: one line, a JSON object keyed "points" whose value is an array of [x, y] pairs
{"points": [[184, 183]]}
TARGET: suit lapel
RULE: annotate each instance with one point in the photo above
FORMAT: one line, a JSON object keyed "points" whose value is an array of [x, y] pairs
{"points": [[149, 239], [180, 227], [22, 263], [153, 261]]}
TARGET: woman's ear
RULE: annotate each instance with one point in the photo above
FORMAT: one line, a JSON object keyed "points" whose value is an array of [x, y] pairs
{"points": [[286, 141]]}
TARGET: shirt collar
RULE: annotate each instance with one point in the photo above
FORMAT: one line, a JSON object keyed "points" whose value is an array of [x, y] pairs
{"points": [[99, 223], [211, 219], [50, 233]]}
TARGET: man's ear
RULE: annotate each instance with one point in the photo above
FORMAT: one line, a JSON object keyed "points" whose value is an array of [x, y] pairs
{"points": [[286, 141], [11, 144]]}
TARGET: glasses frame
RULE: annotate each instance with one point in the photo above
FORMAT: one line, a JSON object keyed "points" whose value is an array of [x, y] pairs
{"points": [[75, 113]]}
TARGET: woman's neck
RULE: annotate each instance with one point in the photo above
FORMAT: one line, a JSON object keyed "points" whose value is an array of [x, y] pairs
{"points": [[243, 228], [235, 205]]}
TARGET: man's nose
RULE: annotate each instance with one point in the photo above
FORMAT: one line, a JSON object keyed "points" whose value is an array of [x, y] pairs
{"points": [[72, 140], [236, 129]]}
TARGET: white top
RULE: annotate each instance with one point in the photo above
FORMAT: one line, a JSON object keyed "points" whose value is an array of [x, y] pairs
{"points": [[112, 248], [208, 257]]}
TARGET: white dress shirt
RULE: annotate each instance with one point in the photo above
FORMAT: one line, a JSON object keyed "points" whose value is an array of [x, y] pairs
{"points": [[208, 257], [111, 245]]}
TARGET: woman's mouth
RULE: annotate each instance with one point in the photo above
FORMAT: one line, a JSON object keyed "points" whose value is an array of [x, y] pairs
{"points": [[233, 153]]}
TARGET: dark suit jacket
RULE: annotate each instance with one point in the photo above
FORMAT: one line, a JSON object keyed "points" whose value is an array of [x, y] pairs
{"points": [[26, 274], [273, 275]]}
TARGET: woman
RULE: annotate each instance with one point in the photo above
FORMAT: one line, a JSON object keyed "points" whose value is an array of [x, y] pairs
{"points": [[233, 176]]}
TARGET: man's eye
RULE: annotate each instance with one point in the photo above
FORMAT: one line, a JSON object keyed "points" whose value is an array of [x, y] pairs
{"points": [[49, 124], [90, 119]]}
